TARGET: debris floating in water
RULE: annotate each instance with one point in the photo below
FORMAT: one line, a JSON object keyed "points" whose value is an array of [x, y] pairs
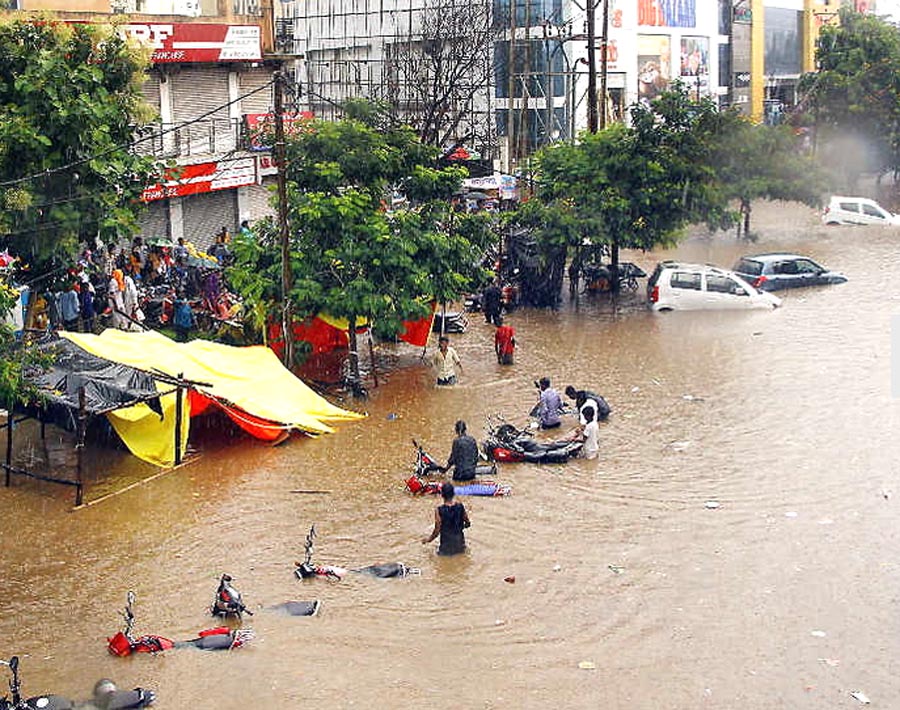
{"points": [[557, 568], [818, 634], [861, 696], [679, 445], [587, 665], [711, 504], [616, 569], [791, 514], [511, 579], [392, 416]]}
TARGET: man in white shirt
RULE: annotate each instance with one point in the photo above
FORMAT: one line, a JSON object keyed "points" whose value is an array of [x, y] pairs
{"points": [[446, 362]]}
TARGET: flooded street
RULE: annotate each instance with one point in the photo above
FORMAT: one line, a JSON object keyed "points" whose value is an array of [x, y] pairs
{"points": [[785, 596]]}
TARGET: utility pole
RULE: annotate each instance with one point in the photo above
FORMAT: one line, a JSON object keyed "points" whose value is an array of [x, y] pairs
{"points": [[604, 55], [287, 329], [592, 67]]}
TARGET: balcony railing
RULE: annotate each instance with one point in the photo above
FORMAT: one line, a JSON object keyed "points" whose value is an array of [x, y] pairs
{"points": [[209, 136]]}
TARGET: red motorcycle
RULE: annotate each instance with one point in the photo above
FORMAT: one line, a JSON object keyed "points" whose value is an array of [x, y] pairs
{"points": [[417, 484], [221, 638]]}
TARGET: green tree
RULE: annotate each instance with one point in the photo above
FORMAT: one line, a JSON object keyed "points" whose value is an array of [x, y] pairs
{"points": [[854, 96], [638, 186], [755, 161], [351, 255], [70, 104]]}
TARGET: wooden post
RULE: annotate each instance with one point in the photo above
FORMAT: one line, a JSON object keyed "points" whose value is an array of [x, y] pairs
{"points": [[179, 404], [10, 418], [79, 448], [372, 357], [287, 321]]}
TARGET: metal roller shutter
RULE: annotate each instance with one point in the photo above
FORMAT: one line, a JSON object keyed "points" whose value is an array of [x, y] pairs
{"points": [[261, 101], [204, 216], [150, 90], [258, 197], [155, 221], [195, 92]]}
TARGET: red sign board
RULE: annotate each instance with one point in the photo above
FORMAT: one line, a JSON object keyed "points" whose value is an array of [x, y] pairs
{"points": [[203, 177], [197, 42]]}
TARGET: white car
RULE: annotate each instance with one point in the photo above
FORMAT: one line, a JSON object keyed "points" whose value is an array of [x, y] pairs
{"points": [[677, 286], [857, 210]]}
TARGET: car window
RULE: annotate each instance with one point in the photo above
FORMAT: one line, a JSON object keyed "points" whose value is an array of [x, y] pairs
{"points": [[872, 211], [683, 279], [739, 289], [849, 206], [719, 284], [784, 267], [748, 266], [805, 266]]}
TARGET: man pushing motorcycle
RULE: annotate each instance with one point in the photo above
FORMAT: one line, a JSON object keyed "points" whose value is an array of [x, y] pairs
{"points": [[463, 455]]}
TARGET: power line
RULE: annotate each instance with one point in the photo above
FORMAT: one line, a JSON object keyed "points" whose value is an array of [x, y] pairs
{"points": [[132, 144]]}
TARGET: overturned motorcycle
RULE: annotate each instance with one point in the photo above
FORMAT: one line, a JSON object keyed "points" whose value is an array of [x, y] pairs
{"points": [[426, 465], [308, 570], [106, 695], [507, 444], [220, 638]]}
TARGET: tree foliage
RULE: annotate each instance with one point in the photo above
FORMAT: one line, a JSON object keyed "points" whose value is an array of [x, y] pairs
{"points": [[352, 255], [69, 106], [854, 96], [755, 161], [638, 186]]}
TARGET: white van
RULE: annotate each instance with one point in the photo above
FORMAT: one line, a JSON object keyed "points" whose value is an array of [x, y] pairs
{"points": [[676, 286], [857, 210]]}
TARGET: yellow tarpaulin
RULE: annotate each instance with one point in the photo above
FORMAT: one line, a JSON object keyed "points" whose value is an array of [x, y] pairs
{"points": [[147, 436], [251, 378]]}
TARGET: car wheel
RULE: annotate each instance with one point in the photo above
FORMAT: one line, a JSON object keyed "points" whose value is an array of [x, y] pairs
{"points": [[665, 310]]}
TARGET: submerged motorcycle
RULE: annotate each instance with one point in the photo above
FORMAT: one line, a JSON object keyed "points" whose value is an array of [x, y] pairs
{"points": [[507, 444], [106, 695], [228, 600], [220, 638], [426, 465], [308, 570]]}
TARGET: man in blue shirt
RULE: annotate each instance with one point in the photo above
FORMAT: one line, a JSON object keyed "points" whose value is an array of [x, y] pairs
{"points": [[549, 405]]}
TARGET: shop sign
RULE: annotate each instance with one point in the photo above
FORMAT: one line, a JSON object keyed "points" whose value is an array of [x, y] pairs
{"points": [[197, 42], [203, 177]]}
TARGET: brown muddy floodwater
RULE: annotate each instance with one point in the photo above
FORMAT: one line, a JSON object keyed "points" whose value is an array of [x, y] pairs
{"points": [[629, 592]]}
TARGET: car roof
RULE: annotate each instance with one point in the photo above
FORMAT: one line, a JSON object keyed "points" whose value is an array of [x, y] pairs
{"points": [[850, 197], [775, 256], [698, 268]]}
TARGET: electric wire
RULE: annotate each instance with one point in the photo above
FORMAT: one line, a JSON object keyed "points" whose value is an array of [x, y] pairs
{"points": [[138, 141]]}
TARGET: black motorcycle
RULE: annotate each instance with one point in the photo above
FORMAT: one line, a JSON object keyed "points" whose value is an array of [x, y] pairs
{"points": [[308, 570], [106, 695], [508, 444]]}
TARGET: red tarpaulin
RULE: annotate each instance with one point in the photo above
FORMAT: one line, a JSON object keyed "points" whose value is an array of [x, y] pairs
{"points": [[255, 426]]}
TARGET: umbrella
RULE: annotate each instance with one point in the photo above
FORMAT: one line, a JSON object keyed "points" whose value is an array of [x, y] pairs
{"points": [[477, 196], [160, 242]]}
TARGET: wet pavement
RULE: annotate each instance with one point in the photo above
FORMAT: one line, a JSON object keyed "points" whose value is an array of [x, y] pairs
{"points": [[630, 590]]}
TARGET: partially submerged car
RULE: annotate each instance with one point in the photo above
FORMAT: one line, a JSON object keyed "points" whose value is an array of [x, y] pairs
{"points": [[679, 286], [775, 271], [857, 210]]}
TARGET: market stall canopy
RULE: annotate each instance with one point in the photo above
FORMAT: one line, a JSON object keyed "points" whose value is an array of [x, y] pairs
{"points": [[107, 385], [250, 378]]}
